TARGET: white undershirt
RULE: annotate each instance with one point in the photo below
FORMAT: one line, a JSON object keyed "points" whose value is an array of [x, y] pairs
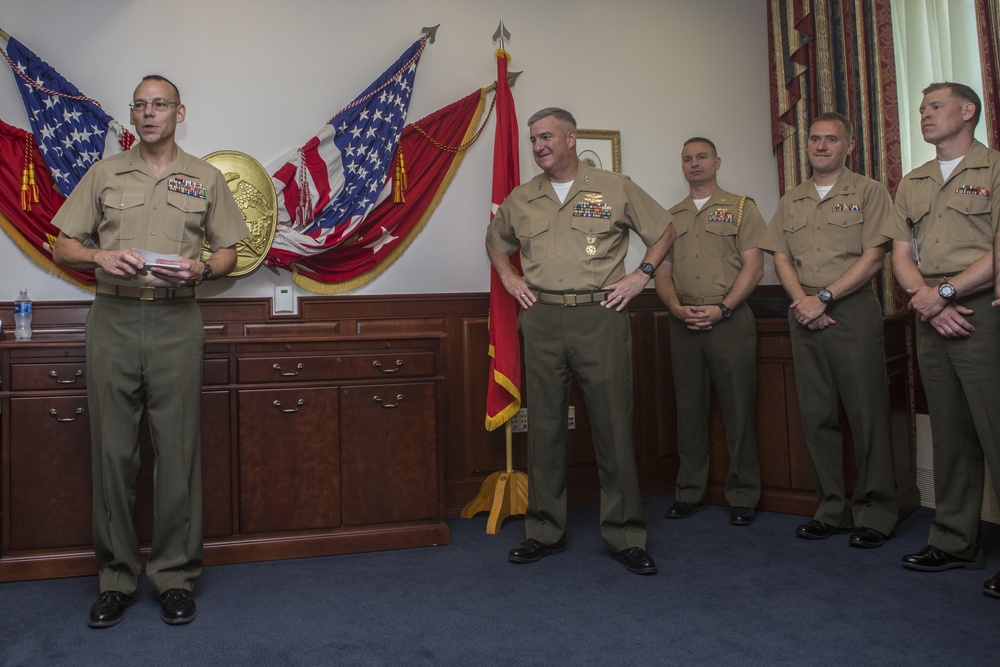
{"points": [[823, 190], [700, 202], [562, 189], [948, 166]]}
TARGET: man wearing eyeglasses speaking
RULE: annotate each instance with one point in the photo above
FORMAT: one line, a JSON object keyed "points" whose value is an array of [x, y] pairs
{"points": [[145, 343]]}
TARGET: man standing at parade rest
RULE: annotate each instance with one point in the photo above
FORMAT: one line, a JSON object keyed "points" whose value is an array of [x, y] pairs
{"points": [[827, 244], [946, 219], [145, 343], [709, 272], [571, 225]]}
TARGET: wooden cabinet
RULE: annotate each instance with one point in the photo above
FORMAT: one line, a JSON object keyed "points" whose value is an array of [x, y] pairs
{"points": [[384, 479], [309, 447], [289, 459]]}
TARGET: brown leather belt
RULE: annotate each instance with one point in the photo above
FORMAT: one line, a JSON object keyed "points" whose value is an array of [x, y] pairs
{"points": [[572, 299], [145, 292], [702, 300]]}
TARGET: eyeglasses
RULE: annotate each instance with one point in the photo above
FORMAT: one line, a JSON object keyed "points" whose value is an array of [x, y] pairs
{"points": [[158, 104]]}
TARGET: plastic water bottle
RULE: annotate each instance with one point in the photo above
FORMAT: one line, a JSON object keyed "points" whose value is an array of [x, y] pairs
{"points": [[22, 316]]}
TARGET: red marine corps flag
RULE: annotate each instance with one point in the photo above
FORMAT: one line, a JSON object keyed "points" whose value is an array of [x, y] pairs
{"points": [[503, 395]]}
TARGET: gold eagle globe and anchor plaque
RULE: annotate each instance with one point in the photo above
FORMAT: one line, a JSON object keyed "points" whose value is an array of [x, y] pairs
{"points": [[254, 194]]}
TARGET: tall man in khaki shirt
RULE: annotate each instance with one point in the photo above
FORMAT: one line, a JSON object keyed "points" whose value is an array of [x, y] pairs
{"points": [[709, 272], [145, 344], [947, 217], [827, 246], [571, 225]]}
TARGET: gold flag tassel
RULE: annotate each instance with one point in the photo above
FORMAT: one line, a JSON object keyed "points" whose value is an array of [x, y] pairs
{"points": [[399, 184], [29, 191]]}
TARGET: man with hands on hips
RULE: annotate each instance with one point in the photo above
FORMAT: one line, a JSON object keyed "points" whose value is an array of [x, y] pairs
{"points": [[571, 225]]}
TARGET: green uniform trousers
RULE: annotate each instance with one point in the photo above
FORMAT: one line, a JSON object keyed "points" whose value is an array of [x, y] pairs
{"points": [[724, 357], [962, 379], [146, 353], [846, 363], [594, 345]]}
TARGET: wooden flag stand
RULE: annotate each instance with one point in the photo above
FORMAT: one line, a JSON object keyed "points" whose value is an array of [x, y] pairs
{"points": [[504, 493]]}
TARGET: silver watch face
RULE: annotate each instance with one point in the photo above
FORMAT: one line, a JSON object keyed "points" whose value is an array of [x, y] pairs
{"points": [[826, 296], [947, 291]]}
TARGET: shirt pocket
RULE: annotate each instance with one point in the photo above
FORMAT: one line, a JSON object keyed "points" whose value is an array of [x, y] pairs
{"points": [[974, 223], [847, 231], [534, 238], [185, 217], [720, 239], [123, 213], [796, 236], [591, 236]]}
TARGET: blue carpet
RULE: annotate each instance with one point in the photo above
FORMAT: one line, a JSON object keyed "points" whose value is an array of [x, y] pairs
{"points": [[724, 595]]}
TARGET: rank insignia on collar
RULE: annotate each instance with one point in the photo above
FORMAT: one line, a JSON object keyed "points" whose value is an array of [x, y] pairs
{"points": [[839, 208], [721, 215], [186, 187], [973, 190]]}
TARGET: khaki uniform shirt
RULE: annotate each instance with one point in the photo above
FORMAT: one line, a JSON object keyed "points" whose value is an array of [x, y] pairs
{"points": [[129, 207], [579, 245], [954, 220], [706, 254], [824, 238]]}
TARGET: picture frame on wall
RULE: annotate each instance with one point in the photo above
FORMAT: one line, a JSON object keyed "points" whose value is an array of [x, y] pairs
{"points": [[600, 148]]}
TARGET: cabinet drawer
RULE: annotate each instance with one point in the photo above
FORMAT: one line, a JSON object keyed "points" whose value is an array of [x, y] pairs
{"points": [[299, 368], [49, 376], [73, 375]]}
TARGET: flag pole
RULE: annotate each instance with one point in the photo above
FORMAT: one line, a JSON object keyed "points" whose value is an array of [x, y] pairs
{"points": [[504, 493]]}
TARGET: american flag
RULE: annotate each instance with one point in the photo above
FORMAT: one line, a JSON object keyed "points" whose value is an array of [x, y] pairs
{"points": [[72, 130], [327, 187]]}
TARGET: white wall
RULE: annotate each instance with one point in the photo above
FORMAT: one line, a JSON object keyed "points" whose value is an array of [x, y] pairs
{"points": [[260, 76]]}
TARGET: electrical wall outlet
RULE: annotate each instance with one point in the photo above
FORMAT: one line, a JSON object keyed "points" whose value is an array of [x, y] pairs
{"points": [[519, 422]]}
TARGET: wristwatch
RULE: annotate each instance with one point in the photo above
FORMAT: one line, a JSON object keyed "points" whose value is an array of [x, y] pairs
{"points": [[206, 272], [825, 296], [647, 268], [947, 291], [726, 313]]}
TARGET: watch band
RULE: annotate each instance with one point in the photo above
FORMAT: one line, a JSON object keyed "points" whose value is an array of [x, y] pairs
{"points": [[648, 269], [726, 312]]}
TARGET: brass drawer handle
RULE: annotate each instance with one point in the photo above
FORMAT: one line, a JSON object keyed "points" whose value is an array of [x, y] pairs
{"points": [[388, 406], [298, 369], [277, 404], [55, 415], [55, 376], [377, 365]]}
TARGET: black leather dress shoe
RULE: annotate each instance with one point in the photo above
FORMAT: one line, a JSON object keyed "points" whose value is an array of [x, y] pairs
{"points": [[178, 606], [817, 530], [866, 538], [109, 609], [932, 559], [742, 516], [992, 586], [531, 550], [636, 560], [683, 510]]}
